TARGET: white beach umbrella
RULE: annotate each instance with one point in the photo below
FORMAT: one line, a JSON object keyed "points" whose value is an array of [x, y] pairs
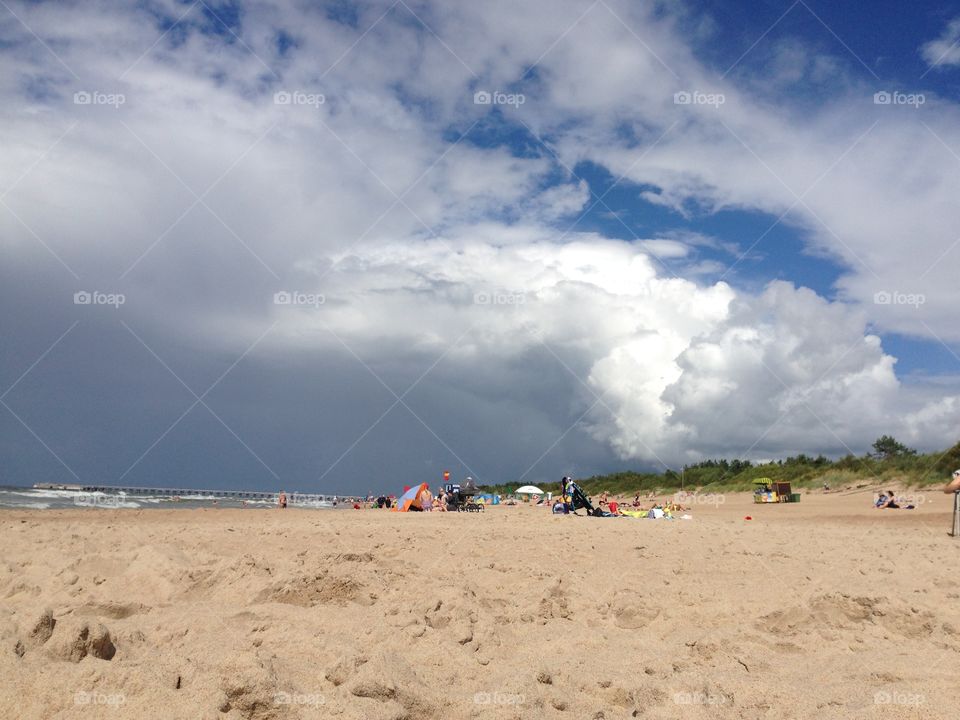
{"points": [[529, 490]]}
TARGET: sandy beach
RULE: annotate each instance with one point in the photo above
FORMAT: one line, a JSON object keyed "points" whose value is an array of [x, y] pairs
{"points": [[825, 609]]}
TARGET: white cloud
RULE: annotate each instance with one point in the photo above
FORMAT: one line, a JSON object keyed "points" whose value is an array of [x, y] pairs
{"points": [[673, 370], [945, 50]]}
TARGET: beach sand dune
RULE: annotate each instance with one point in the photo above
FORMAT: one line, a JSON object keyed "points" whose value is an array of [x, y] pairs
{"points": [[824, 609]]}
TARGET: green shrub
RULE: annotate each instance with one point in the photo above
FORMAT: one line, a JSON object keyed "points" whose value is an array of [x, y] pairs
{"points": [[891, 462]]}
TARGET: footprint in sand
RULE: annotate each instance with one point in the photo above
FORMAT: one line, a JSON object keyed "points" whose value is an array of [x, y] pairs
{"points": [[114, 610], [629, 611]]}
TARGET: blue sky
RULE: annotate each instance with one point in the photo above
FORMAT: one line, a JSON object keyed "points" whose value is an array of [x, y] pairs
{"points": [[877, 47]]}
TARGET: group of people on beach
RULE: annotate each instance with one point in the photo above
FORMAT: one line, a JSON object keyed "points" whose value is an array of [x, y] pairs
{"points": [[442, 500], [889, 501], [283, 501], [572, 498]]}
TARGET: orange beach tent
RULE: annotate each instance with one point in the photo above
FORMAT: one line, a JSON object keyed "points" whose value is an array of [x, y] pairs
{"points": [[413, 497]]}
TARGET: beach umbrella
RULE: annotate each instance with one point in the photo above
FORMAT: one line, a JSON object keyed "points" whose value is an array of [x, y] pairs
{"points": [[415, 496], [529, 490]]}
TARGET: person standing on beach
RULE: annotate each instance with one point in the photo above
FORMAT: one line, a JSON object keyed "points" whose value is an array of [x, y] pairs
{"points": [[954, 487], [282, 499]]}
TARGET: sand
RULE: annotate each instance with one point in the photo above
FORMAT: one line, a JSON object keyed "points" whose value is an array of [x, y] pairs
{"points": [[825, 609]]}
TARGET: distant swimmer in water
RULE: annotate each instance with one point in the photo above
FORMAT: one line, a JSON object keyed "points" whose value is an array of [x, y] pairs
{"points": [[282, 499]]}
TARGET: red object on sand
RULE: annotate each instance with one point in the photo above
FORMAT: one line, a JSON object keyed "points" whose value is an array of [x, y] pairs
{"points": [[613, 507], [748, 518]]}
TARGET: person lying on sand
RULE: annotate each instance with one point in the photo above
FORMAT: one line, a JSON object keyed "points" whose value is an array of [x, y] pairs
{"points": [[881, 501]]}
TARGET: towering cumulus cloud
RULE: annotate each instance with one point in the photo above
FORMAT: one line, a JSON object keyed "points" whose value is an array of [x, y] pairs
{"points": [[660, 368]]}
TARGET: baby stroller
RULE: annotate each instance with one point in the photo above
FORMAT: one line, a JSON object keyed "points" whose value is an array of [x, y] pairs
{"points": [[577, 499], [460, 499]]}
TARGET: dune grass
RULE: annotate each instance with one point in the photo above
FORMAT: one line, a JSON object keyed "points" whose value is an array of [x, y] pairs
{"points": [[902, 467]]}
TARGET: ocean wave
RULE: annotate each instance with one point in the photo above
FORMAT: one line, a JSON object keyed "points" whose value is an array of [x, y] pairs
{"points": [[42, 499], [107, 505], [22, 505], [30, 493]]}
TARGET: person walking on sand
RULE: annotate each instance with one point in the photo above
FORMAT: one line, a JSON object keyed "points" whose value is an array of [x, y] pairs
{"points": [[954, 487], [282, 499]]}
